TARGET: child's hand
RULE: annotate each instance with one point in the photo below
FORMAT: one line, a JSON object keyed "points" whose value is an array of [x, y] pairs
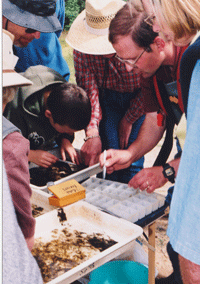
{"points": [[66, 146], [42, 158]]}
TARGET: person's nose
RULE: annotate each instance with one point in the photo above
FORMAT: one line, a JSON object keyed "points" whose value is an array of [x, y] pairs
{"points": [[129, 68], [36, 35]]}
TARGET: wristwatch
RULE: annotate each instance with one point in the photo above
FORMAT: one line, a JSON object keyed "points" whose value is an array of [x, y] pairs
{"points": [[169, 173]]}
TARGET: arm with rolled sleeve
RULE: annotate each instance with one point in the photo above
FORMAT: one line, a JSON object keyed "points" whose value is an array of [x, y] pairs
{"points": [[15, 156], [85, 78]]}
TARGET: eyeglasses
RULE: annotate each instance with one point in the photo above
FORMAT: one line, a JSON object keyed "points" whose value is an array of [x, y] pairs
{"points": [[130, 61], [30, 31], [150, 20]]}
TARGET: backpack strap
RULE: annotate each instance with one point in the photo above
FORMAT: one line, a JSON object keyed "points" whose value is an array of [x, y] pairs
{"points": [[163, 99], [180, 98], [167, 145]]}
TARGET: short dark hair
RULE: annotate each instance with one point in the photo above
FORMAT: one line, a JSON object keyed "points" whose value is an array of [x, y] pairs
{"points": [[129, 21], [69, 105]]}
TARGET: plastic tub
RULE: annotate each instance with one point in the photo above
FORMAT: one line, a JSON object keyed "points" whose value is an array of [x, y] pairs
{"points": [[120, 272]]}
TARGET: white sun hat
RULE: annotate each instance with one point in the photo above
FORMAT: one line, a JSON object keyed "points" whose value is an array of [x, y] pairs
{"points": [[10, 77], [89, 31]]}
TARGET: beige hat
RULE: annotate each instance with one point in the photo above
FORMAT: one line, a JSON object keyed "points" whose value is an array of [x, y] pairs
{"points": [[89, 31], [10, 77]]}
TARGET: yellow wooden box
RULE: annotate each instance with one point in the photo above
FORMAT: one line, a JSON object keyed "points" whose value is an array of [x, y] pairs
{"points": [[66, 193]]}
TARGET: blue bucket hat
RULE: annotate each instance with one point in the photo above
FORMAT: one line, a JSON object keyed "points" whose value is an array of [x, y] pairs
{"points": [[35, 14]]}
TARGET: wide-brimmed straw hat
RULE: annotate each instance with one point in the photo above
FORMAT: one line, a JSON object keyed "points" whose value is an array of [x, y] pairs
{"points": [[89, 31], [10, 77], [35, 14]]}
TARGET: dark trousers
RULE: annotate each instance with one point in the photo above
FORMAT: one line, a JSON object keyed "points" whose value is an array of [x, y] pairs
{"points": [[114, 106]]}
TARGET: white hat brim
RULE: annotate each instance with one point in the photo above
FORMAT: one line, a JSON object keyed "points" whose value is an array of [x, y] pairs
{"points": [[80, 39], [11, 79]]}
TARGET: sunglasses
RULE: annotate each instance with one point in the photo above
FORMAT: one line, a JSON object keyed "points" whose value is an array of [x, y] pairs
{"points": [[30, 31]]}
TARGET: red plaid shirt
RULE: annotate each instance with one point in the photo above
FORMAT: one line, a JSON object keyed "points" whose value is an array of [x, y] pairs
{"points": [[89, 72]]}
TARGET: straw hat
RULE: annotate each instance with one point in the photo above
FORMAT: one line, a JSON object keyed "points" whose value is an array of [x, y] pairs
{"points": [[89, 31], [10, 77]]}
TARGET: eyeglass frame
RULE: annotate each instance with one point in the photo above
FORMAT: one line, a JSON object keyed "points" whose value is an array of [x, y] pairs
{"points": [[149, 20], [130, 61]]}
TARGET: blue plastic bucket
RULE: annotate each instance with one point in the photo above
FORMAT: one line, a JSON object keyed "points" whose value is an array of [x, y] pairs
{"points": [[120, 272]]}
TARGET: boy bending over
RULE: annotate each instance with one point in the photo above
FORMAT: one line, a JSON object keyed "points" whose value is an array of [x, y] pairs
{"points": [[48, 113]]}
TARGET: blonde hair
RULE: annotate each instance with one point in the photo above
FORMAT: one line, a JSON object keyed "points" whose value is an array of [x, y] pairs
{"points": [[181, 16], [8, 94], [137, 4]]}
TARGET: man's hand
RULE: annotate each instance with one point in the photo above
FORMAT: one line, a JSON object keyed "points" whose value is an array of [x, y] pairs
{"points": [[125, 128], [92, 148], [66, 146], [152, 178], [116, 160], [149, 179], [42, 158]]}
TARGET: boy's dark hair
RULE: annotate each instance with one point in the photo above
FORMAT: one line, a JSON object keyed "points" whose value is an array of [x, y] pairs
{"points": [[69, 105], [129, 21]]}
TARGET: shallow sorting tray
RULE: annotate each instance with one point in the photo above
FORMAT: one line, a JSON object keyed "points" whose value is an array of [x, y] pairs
{"points": [[121, 200], [87, 218], [78, 176], [41, 199]]}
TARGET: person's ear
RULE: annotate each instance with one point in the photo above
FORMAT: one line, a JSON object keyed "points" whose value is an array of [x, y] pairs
{"points": [[160, 43], [48, 113]]}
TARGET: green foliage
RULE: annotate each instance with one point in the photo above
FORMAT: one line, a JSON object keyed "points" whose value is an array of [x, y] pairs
{"points": [[72, 9], [67, 52]]}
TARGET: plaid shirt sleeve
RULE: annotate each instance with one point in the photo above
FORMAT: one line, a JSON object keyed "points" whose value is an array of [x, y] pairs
{"points": [[136, 109], [85, 79], [144, 102]]}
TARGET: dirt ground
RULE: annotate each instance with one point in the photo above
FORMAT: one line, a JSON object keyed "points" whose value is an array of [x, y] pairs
{"points": [[163, 263]]}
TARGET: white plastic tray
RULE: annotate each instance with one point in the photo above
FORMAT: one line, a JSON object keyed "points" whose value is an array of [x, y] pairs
{"points": [[87, 218], [113, 197], [121, 200]]}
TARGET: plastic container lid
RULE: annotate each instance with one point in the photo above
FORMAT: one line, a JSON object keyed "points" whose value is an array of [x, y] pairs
{"points": [[120, 272]]}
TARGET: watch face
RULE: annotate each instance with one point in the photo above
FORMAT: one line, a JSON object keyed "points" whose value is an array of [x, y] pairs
{"points": [[169, 172]]}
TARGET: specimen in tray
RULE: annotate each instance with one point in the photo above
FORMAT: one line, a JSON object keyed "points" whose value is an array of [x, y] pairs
{"points": [[40, 176], [67, 249]]}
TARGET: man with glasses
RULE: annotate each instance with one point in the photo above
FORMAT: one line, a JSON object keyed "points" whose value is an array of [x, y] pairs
{"points": [[36, 26], [157, 61], [110, 87]]}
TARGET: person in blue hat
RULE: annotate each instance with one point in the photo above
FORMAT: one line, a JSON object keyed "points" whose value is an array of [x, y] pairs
{"points": [[36, 26]]}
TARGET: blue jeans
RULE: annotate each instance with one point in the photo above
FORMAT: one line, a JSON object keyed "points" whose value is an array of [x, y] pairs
{"points": [[114, 106]]}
